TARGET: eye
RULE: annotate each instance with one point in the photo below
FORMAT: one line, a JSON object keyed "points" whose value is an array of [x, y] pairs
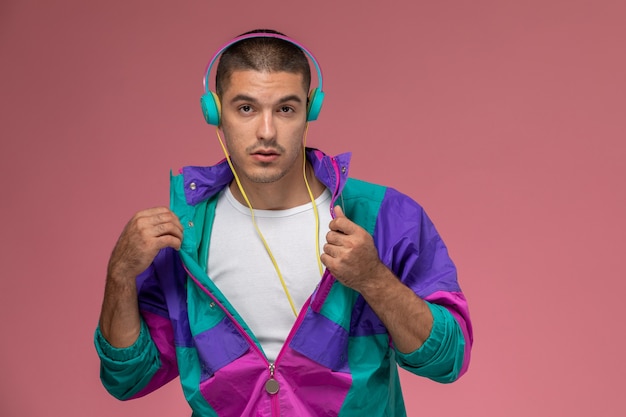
{"points": [[286, 109], [245, 108]]}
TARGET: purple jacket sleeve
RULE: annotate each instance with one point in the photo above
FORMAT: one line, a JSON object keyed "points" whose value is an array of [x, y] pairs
{"points": [[411, 246]]}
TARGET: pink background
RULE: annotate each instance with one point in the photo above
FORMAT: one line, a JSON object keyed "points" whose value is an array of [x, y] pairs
{"points": [[505, 119]]}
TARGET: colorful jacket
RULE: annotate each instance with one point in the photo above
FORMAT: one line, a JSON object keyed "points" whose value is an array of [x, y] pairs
{"points": [[338, 358]]}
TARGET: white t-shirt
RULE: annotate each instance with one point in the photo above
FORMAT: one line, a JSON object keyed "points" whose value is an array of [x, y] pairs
{"points": [[242, 269]]}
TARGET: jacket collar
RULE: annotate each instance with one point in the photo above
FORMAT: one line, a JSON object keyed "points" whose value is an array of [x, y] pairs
{"points": [[202, 183]]}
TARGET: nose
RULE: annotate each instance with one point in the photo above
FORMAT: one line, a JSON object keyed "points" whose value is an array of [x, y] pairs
{"points": [[266, 129]]}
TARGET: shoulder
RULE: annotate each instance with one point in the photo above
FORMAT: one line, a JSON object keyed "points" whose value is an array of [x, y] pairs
{"points": [[356, 188], [366, 202], [378, 196]]}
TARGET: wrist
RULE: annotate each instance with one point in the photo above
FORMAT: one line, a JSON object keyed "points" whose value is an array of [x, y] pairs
{"points": [[120, 274], [380, 280]]}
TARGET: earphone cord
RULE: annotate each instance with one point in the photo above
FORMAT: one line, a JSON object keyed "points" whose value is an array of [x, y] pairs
{"points": [[256, 227], [315, 212]]}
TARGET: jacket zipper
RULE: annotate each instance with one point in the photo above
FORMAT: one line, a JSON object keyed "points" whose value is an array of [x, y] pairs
{"points": [[271, 385]]}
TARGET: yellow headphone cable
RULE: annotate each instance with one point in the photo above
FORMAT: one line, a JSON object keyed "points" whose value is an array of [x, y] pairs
{"points": [[256, 227]]}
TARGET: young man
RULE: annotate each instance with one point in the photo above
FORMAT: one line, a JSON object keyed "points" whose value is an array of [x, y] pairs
{"points": [[274, 284]]}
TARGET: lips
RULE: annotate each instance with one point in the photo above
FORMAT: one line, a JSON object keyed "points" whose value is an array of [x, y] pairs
{"points": [[265, 152], [265, 155]]}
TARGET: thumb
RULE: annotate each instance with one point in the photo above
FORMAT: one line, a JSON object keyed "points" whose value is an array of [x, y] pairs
{"points": [[338, 212], [341, 223]]}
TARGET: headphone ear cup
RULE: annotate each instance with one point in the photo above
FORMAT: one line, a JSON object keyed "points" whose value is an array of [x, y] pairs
{"points": [[211, 108], [316, 98]]}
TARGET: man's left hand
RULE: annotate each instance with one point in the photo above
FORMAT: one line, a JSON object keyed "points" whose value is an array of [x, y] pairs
{"points": [[350, 254]]}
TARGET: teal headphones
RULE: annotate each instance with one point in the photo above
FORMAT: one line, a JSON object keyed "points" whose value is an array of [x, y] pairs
{"points": [[210, 102]]}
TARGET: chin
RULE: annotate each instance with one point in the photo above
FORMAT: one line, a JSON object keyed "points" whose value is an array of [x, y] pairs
{"points": [[265, 177]]}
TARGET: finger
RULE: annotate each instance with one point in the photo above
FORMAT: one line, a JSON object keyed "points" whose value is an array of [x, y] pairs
{"points": [[165, 216], [338, 211], [337, 238], [167, 229], [329, 250], [326, 260], [169, 241], [329, 262], [159, 221], [153, 212], [341, 223], [170, 219]]}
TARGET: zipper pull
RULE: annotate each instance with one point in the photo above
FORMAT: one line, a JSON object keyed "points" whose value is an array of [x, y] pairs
{"points": [[271, 386]]}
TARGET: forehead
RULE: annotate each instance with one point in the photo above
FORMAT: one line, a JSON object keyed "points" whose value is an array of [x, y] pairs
{"points": [[265, 82]]}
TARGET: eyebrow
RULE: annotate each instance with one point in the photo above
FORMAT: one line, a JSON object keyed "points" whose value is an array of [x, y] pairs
{"points": [[243, 97]]}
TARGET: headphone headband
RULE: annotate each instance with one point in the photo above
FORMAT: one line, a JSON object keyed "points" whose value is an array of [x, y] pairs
{"points": [[209, 67], [210, 102]]}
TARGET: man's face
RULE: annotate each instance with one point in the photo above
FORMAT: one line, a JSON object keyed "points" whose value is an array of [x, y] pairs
{"points": [[263, 119]]}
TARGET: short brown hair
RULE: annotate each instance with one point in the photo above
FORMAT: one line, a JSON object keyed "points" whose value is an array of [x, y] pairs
{"points": [[262, 54]]}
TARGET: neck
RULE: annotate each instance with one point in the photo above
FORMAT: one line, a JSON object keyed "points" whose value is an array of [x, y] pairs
{"points": [[283, 194]]}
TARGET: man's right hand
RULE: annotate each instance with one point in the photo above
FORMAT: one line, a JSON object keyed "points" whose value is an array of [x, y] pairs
{"points": [[145, 234]]}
